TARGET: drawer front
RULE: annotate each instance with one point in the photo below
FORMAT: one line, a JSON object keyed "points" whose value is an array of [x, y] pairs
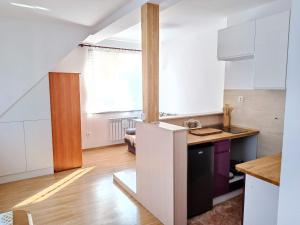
{"points": [[222, 146]]}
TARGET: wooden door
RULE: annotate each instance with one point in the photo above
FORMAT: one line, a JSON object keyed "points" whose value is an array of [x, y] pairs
{"points": [[65, 116]]}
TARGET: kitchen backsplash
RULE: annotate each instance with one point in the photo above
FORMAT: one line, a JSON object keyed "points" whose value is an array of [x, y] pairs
{"points": [[209, 119], [260, 109]]}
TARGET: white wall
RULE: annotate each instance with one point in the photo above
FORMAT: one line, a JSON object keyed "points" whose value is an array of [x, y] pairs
{"points": [[240, 74], [191, 77], [94, 127], [30, 48], [289, 197]]}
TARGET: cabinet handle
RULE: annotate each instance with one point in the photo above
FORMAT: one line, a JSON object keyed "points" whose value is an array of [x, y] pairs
{"points": [[200, 152]]}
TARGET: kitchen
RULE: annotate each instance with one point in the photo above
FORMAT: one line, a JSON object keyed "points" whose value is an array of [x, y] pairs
{"points": [[247, 46], [221, 114]]}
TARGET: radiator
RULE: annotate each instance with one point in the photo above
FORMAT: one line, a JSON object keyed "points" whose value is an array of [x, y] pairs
{"points": [[118, 127]]}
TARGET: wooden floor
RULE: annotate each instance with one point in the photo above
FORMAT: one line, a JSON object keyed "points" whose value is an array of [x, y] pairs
{"points": [[83, 196]]}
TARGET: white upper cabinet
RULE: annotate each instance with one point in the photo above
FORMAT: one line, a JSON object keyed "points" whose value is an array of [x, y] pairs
{"points": [[271, 49], [237, 42]]}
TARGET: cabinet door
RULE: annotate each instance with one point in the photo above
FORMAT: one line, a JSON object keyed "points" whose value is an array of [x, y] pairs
{"points": [[236, 42], [38, 141], [221, 167], [271, 49], [261, 202], [12, 149]]}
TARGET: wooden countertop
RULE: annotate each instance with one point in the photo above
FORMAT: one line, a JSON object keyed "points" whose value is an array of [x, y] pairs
{"points": [[266, 168], [194, 139]]}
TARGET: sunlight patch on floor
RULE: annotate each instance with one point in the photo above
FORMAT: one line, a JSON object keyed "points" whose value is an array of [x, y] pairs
{"points": [[54, 188]]}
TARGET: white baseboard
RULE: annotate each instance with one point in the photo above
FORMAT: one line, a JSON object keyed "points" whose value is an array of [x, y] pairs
{"points": [[26, 175], [227, 196]]}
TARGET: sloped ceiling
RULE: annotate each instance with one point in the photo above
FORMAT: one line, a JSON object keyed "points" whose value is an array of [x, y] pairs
{"points": [[104, 18], [83, 12], [36, 36], [191, 13]]}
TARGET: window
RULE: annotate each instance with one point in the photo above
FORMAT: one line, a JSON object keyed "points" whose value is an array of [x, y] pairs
{"points": [[113, 80]]}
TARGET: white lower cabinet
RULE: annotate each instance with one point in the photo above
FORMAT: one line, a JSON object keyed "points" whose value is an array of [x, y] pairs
{"points": [[38, 144], [25, 150], [261, 202], [12, 148]]}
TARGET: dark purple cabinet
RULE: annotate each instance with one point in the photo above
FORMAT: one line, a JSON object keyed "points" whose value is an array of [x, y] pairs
{"points": [[221, 167]]}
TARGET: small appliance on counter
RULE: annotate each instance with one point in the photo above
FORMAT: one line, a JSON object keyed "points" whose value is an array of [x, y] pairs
{"points": [[192, 124]]}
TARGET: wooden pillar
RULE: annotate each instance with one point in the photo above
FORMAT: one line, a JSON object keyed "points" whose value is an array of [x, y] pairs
{"points": [[150, 61]]}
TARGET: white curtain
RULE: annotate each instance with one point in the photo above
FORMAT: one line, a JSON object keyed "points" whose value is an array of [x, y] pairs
{"points": [[113, 80]]}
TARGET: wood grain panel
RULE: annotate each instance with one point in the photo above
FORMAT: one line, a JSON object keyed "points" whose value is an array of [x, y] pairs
{"points": [[65, 116], [205, 131], [150, 61], [194, 139], [266, 168]]}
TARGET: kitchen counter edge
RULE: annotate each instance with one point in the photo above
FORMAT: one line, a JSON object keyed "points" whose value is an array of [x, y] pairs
{"points": [[267, 168]]}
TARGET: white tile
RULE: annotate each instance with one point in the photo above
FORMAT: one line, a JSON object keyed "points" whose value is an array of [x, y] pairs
{"points": [[263, 110]]}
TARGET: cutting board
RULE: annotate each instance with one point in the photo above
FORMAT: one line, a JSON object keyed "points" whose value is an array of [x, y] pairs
{"points": [[205, 131]]}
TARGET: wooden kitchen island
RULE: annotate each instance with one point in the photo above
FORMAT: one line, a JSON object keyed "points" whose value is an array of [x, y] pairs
{"points": [[266, 168]]}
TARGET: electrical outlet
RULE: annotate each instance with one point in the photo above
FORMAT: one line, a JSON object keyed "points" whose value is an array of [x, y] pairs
{"points": [[241, 99]]}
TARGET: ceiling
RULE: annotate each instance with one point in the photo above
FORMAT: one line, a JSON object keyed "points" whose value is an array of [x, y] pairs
{"points": [[84, 12], [191, 13], [182, 13]]}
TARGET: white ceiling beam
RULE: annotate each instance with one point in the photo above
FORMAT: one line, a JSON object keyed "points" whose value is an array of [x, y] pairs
{"points": [[127, 16]]}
